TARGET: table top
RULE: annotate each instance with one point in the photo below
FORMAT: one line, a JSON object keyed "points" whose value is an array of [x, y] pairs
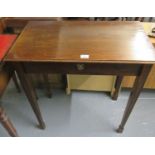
{"points": [[6, 41], [147, 28], [83, 41]]}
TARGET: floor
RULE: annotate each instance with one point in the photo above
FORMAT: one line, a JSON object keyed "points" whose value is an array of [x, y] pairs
{"points": [[81, 114]]}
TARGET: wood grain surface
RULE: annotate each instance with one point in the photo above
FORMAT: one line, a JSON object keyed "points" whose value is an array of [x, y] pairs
{"points": [[66, 41]]}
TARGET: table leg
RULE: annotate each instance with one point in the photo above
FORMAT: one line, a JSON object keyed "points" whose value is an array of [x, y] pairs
{"points": [[117, 87], [34, 90], [47, 85], [25, 82], [7, 123], [138, 86]]}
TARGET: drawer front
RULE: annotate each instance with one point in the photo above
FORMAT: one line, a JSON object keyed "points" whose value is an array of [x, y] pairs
{"points": [[81, 68]]}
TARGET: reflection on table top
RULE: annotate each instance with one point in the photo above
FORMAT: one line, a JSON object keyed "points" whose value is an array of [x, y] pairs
{"points": [[83, 41], [148, 27]]}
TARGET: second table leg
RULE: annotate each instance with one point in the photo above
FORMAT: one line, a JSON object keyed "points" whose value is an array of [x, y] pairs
{"points": [[47, 85], [117, 87]]}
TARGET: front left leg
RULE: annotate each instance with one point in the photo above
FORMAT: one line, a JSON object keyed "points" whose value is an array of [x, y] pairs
{"points": [[29, 91]]}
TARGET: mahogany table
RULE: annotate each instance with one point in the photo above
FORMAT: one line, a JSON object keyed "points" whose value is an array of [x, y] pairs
{"points": [[83, 47]]}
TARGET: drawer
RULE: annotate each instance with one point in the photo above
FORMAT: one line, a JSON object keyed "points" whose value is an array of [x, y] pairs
{"points": [[81, 68]]}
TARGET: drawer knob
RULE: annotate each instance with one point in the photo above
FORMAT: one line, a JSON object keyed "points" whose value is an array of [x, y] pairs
{"points": [[80, 67]]}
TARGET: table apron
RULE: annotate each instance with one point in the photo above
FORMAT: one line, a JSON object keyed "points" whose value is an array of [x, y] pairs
{"points": [[80, 68]]}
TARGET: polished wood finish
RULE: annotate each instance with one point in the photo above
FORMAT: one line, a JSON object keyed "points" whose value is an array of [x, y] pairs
{"points": [[7, 123], [128, 81], [87, 82], [56, 47], [89, 68], [147, 28], [66, 41]]}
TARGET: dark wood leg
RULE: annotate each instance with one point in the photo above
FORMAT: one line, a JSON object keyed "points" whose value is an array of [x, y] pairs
{"points": [[25, 82], [35, 93], [138, 86], [14, 77], [34, 90], [117, 87], [7, 123], [47, 85]]}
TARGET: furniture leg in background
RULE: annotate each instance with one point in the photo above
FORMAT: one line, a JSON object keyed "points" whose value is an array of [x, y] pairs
{"points": [[14, 78], [7, 123], [138, 86], [117, 87], [34, 90], [47, 85]]}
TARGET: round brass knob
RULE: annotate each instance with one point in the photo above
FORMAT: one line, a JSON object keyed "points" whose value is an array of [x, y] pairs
{"points": [[80, 67]]}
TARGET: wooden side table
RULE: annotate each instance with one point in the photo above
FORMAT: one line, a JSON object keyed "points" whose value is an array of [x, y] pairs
{"points": [[85, 48]]}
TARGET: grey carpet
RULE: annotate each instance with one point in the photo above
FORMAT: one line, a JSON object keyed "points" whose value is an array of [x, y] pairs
{"points": [[80, 114]]}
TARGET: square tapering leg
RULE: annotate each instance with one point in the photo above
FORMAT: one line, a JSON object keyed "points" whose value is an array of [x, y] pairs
{"points": [[29, 91], [138, 86]]}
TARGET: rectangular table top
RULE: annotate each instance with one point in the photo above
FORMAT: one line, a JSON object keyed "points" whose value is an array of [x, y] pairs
{"points": [[83, 41], [6, 40]]}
